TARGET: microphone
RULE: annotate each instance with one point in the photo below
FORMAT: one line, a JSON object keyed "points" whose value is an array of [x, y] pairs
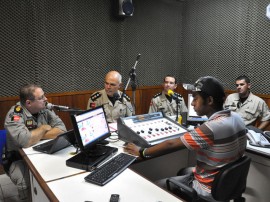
{"points": [[171, 94], [57, 107], [188, 86], [136, 62], [138, 56], [116, 96]]}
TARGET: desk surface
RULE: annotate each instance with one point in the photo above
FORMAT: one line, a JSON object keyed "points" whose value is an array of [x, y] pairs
{"points": [[68, 184], [130, 186], [259, 150]]}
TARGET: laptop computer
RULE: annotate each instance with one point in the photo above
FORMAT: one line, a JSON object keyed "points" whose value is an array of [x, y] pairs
{"points": [[192, 115], [52, 146]]}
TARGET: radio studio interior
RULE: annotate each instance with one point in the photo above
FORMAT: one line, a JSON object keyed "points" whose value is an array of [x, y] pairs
{"points": [[134, 100]]}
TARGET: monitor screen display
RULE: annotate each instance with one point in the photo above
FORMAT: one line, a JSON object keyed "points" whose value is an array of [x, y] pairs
{"points": [[90, 127]]}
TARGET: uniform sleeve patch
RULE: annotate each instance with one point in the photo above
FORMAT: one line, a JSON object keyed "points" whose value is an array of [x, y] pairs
{"points": [[178, 94], [95, 96], [92, 105], [30, 124], [15, 118], [127, 97]]}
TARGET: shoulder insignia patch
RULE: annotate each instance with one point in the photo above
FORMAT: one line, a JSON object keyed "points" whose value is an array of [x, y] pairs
{"points": [[18, 109], [178, 95], [127, 97], [95, 96], [159, 94]]}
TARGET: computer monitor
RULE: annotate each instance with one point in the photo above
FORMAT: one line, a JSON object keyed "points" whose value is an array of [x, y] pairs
{"points": [[192, 115], [90, 128]]}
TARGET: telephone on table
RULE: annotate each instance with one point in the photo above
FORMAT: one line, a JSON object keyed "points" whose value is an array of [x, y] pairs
{"points": [[258, 137]]}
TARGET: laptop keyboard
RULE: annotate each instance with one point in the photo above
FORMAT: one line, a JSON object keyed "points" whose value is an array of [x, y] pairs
{"points": [[110, 169]]}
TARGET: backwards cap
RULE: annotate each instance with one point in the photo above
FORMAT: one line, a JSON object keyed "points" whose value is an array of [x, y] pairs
{"points": [[208, 85]]}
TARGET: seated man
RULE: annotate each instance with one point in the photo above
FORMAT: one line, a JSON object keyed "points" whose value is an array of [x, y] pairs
{"points": [[26, 124], [220, 140], [164, 102], [249, 106], [110, 98]]}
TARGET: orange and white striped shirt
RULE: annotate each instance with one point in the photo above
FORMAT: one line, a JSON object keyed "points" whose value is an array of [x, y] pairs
{"points": [[217, 142]]}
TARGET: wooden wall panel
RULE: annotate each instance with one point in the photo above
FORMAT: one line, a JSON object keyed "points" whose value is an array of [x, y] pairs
{"points": [[78, 100]]}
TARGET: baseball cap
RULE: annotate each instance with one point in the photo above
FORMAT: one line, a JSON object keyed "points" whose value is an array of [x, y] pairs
{"points": [[208, 85]]}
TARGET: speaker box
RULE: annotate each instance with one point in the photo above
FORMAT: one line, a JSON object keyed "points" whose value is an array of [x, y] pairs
{"points": [[125, 8]]}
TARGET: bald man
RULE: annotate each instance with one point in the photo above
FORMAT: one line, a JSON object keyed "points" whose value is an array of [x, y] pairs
{"points": [[109, 98]]}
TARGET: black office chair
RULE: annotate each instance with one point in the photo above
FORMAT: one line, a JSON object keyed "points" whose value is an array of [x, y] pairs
{"points": [[229, 183]]}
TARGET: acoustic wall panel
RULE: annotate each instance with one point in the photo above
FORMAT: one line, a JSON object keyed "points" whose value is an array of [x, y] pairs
{"points": [[70, 45], [226, 39]]}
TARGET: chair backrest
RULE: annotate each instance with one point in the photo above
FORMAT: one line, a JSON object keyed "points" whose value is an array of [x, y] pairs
{"points": [[230, 182], [2, 143]]}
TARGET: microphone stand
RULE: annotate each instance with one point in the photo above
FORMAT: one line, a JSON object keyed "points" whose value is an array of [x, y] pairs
{"points": [[177, 110], [132, 79]]}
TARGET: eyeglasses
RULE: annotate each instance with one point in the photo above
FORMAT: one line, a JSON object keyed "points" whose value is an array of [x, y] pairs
{"points": [[42, 98]]}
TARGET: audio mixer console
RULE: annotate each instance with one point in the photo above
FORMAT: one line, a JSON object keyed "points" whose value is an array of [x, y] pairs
{"points": [[148, 129]]}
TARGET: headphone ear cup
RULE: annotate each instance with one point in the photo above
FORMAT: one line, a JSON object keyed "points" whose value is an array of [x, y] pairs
{"points": [[126, 8]]}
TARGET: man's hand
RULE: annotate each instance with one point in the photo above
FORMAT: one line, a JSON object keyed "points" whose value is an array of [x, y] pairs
{"points": [[45, 127], [132, 149]]}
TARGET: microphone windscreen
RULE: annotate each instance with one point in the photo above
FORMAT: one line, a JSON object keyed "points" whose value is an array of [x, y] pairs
{"points": [[170, 92], [188, 86], [116, 96], [138, 57], [49, 105]]}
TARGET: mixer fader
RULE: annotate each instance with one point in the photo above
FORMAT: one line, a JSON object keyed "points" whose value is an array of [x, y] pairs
{"points": [[148, 129]]}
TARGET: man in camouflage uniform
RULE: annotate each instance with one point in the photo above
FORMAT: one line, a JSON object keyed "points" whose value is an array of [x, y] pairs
{"points": [[164, 102], [110, 98], [27, 123]]}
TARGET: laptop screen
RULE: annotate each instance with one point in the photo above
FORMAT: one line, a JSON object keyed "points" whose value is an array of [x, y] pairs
{"points": [[90, 127], [191, 111]]}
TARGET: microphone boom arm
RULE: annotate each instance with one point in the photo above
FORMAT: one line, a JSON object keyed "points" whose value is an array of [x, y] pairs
{"points": [[132, 76]]}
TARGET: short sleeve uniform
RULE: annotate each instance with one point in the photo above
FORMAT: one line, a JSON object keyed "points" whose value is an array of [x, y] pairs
{"points": [[113, 112], [160, 103], [19, 122], [254, 107]]}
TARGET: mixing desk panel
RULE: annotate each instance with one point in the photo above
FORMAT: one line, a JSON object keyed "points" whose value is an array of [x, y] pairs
{"points": [[148, 129]]}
